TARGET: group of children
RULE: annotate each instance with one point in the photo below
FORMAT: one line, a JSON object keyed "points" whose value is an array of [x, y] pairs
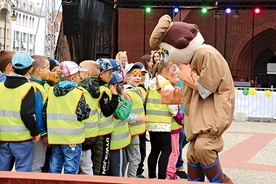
{"points": [[93, 119]]}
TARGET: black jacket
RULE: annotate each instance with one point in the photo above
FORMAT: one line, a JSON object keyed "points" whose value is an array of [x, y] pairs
{"points": [[27, 110], [108, 107]]}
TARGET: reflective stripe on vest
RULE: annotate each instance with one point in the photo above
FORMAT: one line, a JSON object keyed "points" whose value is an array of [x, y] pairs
{"points": [[175, 125], [12, 128], [106, 124], [138, 109], [156, 111], [120, 137], [91, 125], [62, 124]]}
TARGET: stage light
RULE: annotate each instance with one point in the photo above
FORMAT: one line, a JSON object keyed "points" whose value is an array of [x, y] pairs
{"points": [[148, 9], [176, 9], [228, 10], [204, 10], [257, 10]]}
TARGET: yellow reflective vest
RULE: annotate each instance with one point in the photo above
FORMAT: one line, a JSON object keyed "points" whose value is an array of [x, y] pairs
{"points": [[143, 91], [175, 125], [106, 124], [43, 91], [155, 110], [120, 137], [138, 109], [91, 125], [12, 127], [62, 124]]}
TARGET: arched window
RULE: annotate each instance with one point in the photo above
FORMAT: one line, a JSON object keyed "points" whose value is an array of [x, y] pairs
{"points": [[24, 6]]}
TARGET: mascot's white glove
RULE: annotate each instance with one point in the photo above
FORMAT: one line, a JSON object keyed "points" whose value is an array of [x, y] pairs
{"points": [[187, 74]]}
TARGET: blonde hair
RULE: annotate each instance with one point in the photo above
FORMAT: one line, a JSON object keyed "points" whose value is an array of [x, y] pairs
{"points": [[160, 66], [39, 61], [92, 67], [118, 56]]}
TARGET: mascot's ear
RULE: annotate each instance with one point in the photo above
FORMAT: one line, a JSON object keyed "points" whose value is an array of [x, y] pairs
{"points": [[182, 43]]}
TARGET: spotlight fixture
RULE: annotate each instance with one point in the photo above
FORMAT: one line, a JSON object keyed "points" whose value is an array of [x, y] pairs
{"points": [[217, 14], [148, 9], [257, 10], [228, 10], [176, 10], [204, 10], [236, 14]]}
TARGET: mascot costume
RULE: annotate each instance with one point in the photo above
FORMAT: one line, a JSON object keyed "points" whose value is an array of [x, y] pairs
{"points": [[208, 95]]}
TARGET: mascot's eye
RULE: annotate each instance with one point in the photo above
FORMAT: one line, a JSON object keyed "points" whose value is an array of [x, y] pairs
{"points": [[165, 51]]}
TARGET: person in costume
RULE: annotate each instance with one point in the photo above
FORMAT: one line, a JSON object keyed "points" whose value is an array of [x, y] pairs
{"points": [[208, 98]]}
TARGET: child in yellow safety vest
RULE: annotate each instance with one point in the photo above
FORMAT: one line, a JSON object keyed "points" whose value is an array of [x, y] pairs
{"points": [[138, 118], [142, 137], [107, 104], [159, 120], [18, 128], [90, 85], [66, 109], [38, 80], [120, 137]]}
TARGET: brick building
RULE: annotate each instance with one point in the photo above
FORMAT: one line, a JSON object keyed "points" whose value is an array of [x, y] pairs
{"points": [[247, 42]]}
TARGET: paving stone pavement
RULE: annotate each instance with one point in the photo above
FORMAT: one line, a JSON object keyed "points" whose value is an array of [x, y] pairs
{"points": [[249, 154]]}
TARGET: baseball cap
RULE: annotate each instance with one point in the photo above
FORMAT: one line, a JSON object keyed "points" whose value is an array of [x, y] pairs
{"points": [[53, 63], [22, 60], [69, 68], [104, 64], [116, 65], [144, 70], [129, 67], [116, 78]]}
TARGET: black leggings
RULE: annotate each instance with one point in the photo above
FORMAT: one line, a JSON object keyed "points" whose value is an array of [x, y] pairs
{"points": [[160, 143]]}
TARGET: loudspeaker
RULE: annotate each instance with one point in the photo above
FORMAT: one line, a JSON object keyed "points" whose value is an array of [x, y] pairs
{"points": [[71, 16]]}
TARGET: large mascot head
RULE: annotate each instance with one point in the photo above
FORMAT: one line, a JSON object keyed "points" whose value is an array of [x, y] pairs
{"points": [[178, 40]]}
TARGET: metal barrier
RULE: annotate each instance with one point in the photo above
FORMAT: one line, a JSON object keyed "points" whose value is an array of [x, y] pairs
{"points": [[256, 104]]}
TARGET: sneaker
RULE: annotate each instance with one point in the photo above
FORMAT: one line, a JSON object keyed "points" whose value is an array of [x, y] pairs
{"points": [[140, 176], [174, 177], [182, 174]]}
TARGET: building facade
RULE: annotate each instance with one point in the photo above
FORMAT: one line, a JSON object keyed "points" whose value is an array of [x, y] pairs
{"points": [[28, 31], [246, 41]]}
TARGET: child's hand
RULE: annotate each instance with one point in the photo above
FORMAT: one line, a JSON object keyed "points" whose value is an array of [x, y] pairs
{"points": [[45, 141], [36, 138], [126, 96], [157, 82], [113, 89]]}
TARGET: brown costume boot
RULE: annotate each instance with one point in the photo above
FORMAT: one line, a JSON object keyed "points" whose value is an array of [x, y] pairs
{"points": [[214, 173], [195, 172]]}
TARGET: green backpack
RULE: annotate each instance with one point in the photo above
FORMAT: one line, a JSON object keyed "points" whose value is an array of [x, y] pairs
{"points": [[123, 109]]}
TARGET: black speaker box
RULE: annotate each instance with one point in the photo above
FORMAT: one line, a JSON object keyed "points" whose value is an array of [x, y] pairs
{"points": [[71, 16]]}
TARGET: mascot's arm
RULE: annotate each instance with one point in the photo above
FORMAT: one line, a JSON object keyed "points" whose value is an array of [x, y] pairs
{"points": [[187, 75], [210, 71], [204, 93], [190, 77]]}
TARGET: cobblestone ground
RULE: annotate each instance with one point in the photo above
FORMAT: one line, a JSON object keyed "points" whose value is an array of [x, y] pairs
{"points": [[249, 154]]}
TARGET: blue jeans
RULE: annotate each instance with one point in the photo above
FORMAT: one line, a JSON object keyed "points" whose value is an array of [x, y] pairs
{"points": [[66, 156], [182, 143], [21, 151]]}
